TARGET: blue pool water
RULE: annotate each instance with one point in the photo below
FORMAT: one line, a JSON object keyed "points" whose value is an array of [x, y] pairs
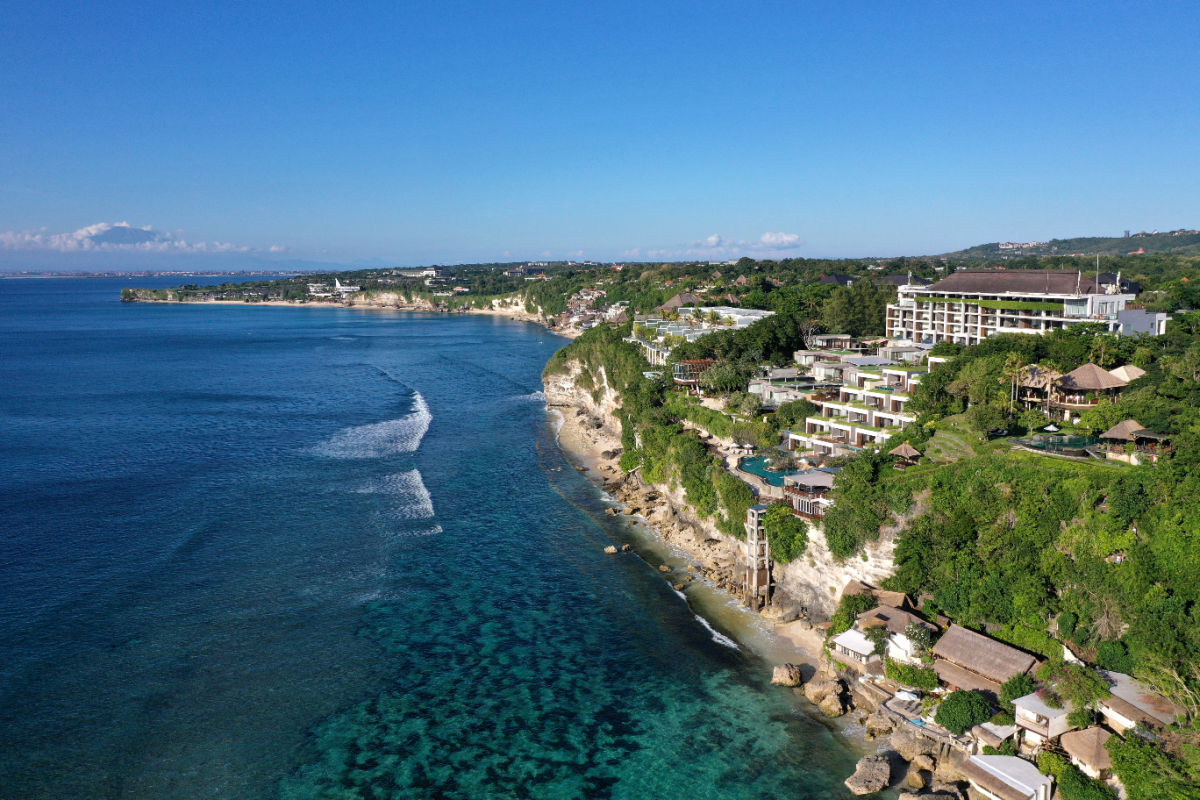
{"points": [[758, 466], [328, 553]]}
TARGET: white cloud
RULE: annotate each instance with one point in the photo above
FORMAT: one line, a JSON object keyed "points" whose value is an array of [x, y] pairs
{"points": [[780, 241], [716, 240], [276, 248], [115, 237], [717, 246]]}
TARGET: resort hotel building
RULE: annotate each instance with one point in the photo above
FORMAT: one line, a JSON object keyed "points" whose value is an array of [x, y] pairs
{"points": [[654, 333], [973, 304], [864, 412]]}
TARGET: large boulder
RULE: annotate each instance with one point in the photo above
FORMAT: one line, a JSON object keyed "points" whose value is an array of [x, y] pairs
{"points": [[909, 744], [879, 724], [925, 762], [916, 779], [832, 705], [818, 688], [787, 675], [827, 696], [873, 774]]}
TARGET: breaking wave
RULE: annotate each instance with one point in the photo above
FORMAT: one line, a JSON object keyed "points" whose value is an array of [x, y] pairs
{"points": [[533, 397], [717, 636], [409, 488], [380, 439]]}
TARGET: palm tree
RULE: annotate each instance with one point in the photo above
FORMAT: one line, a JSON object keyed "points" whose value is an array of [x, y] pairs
{"points": [[1013, 365]]}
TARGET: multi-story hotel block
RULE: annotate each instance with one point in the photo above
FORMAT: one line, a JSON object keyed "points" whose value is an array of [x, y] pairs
{"points": [[973, 304], [867, 410]]}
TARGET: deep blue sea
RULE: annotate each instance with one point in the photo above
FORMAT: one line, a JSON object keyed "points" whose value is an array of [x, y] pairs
{"points": [[252, 552]]}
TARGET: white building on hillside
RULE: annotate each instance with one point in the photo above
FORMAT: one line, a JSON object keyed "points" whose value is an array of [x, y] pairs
{"points": [[973, 304]]}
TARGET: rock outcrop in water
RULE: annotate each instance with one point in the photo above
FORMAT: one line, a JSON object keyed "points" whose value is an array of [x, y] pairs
{"points": [[827, 695], [873, 774], [787, 675]]}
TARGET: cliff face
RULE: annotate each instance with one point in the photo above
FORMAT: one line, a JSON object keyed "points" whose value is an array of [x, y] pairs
{"points": [[811, 585], [509, 307], [815, 580], [592, 432]]}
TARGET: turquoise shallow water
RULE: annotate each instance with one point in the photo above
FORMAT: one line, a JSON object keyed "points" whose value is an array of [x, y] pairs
{"points": [[301, 553]]}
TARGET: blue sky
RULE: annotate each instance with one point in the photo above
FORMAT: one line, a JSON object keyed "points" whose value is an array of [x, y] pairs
{"points": [[452, 132]]}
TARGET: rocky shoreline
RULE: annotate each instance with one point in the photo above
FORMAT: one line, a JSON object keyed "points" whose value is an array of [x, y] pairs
{"points": [[916, 764]]}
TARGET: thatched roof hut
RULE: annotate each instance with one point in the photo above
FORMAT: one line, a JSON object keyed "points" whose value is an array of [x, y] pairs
{"points": [[1128, 373], [970, 660], [1087, 747], [892, 618], [1090, 378], [905, 450], [681, 300], [1123, 430]]}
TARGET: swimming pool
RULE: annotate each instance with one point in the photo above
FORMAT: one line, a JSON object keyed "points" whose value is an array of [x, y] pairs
{"points": [[758, 466], [1066, 443]]}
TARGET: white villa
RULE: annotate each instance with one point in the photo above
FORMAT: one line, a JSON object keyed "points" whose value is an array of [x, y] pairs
{"points": [[866, 411]]}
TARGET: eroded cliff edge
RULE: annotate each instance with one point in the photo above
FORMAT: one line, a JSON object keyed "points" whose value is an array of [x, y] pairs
{"points": [[808, 587]]}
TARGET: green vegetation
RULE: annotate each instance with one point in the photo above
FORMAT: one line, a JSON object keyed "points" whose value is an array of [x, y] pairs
{"points": [[961, 711], [1014, 687], [857, 310], [862, 503], [1152, 772], [848, 609], [1079, 686], [786, 533], [1072, 784], [910, 675], [999, 305], [772, 340], [1018, 305]]}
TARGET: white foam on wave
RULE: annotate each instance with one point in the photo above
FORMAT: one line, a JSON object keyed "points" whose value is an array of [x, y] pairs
{"points": [[534, 397], [409, 489], [717, 636], [559, 421], [380, 439]]}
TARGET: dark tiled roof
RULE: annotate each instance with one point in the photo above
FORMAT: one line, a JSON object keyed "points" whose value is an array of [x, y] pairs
{"points": [[899, 280], [895, 620], [1025, 281]]}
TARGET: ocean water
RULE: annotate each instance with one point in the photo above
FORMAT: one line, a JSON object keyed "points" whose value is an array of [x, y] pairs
{"points": [[328, 553]]}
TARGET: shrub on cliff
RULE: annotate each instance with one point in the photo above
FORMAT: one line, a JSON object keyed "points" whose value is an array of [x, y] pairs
{"points": [[787, 534], [736, 497]]}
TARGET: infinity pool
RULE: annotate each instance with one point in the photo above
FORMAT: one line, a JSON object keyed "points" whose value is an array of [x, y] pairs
{"points": [[758, 466]]}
